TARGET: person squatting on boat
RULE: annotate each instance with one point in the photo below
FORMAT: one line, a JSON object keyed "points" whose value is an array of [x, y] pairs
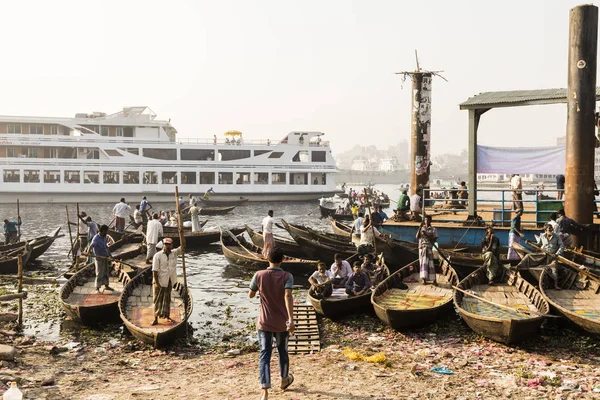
{"points": [[121, 211], [321, 282], [164, 277], [514, 235], [358, 282], [267, 228], [550, 242], [275, 319], [100, 248], [426, 235], [375, 272], [490, 248], [11, 234], [340, 271], [154, 232]]}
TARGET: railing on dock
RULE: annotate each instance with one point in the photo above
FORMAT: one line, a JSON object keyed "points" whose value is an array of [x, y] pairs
{"points": [[499, 205]]}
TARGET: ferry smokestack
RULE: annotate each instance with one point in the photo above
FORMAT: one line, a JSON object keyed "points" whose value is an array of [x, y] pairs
{"points": [[581, 106]]}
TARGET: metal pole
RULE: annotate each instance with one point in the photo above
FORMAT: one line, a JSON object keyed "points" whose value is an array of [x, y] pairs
{"points": [[421, 131], [581, 105]]}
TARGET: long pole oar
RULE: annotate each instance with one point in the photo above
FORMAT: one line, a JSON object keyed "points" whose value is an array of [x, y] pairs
{"points": [[70, 234], [182, 245], [565, 261], [18, 222]]}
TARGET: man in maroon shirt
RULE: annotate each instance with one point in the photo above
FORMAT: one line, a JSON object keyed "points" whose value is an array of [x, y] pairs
{"points": [[275, 319]]}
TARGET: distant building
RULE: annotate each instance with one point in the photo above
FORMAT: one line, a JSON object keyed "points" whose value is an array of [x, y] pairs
{"points": [[361, 164], [389, 164]]}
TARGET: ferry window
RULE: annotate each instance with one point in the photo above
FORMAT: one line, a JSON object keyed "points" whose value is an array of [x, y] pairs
{"points": [[278, 178], [197, 155], [188, 178], [299, 178], [319, 156], [276, 154], [169, 177], [150, 178], [242, 178], [51, 176], [113, 153], [160, 154], [31, 176], [225, 178], [119, 131], [128, 131], [36, 129], [229, 155], [261, 178], [11, 152], [12, 175], [54, 130], [91, 177], [318, 179], [259, 152], [301, 156], [14, 129], [207, 178], [72, 177], [132, 151], [111, 177], [104, 131], [131, 177], [52, 153]]}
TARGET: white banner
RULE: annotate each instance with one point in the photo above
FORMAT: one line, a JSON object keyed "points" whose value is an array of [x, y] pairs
{"points": [[521, 160]]}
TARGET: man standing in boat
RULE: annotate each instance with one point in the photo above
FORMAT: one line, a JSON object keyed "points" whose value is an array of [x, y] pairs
{"points": [[11, 233], [164, 277], [154, 231], [275, 320], [427, 236], [208, 193], [490, 248], [267, 228], [121, 211], [553, 244], [145, 208], [100, 247]]}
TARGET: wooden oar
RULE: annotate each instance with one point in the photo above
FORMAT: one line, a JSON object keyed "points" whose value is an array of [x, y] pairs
{"points": [[502, 305], [565, 261], [254, 255]]}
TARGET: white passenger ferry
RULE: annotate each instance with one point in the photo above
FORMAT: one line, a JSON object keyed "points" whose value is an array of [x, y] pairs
{"points": [[101, 158]]}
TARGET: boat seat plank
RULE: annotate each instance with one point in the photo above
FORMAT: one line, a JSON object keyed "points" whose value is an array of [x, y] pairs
{"points": [[306, 337]]}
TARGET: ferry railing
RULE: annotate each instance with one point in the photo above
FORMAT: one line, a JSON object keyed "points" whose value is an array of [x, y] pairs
{"points": [[544, 201]]}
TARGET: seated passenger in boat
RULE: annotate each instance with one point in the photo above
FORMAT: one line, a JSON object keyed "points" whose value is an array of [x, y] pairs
{"points": [[320, 282], [340, 271], [490, 248], [375, 272], [550, 242], [358, 283]]}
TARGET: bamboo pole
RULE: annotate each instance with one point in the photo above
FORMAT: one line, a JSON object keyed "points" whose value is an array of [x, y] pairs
{"points": [[20, 289], [18, 220], [70, 234], [371, 220], [13, 296], [579, 268], [182, 244], [78, 238]]}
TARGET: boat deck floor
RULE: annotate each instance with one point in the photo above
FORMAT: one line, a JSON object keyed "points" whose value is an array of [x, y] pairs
{"points": [[584, 303], [417, 295], [501, 294], [85, 295], [126, 248], [140, 310]]}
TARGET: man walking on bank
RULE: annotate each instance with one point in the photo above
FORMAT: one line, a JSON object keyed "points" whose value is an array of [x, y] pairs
{"points": [[275, 320]]}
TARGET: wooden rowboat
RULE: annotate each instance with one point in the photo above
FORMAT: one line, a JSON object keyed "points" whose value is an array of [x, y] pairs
{"points": [[326, 212], [322, 237], [248, 256], [192, 239], [289, 247], [521, 311], [9, 260], [216, 210], [137, 311], [339, 228], [222, 203], [39, 245], [78, 295], [402, 302], [173, 229], [340, 305]]}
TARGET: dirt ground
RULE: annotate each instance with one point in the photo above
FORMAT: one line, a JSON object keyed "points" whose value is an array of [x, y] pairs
{"points": [[560, 364]]}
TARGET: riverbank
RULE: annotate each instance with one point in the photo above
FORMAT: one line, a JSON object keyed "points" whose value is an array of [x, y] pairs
{"points": [[111, 365]]}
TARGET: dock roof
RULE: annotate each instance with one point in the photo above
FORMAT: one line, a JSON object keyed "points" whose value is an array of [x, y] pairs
{"points": [[517, 98]]}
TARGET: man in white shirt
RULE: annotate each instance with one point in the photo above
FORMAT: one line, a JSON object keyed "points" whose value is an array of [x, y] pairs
{"points": [[267, 229], [164, 277], [356, 228], [340, 271], [516, 186], [121, 211], [154, 232], [415, 206], [137, 216], [193, 200]]}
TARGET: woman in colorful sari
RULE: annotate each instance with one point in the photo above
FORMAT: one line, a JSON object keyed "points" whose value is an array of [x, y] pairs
{"points": [[427, 236]]}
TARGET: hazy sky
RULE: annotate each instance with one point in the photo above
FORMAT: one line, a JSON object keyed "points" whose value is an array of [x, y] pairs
{"points": [[270, 67]]}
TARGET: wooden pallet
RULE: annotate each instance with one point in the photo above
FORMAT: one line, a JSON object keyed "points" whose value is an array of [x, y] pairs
{"points": [[306, 336]]}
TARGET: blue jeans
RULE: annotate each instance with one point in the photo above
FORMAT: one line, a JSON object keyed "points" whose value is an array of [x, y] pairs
{"points": [[265, 340]]}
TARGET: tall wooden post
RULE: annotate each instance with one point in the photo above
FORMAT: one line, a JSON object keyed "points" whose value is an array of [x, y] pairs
{"points": [[420, 143], [581, 107], [20, 288], [182, 244]]}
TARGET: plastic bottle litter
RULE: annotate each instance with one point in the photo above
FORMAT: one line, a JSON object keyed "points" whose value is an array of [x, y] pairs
{"points": [[13, 393]]}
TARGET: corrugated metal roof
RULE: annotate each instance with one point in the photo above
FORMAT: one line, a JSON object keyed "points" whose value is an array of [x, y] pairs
{"points": [[513, 97]]}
